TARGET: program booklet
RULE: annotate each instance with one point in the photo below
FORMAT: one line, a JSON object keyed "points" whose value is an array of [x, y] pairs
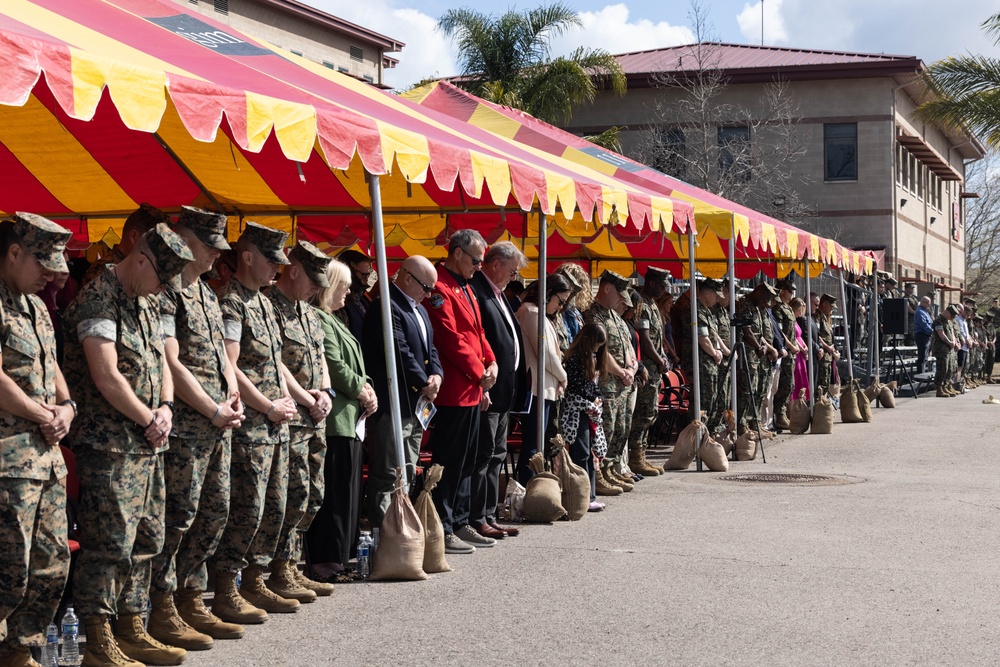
{"points": [[425, 412]]}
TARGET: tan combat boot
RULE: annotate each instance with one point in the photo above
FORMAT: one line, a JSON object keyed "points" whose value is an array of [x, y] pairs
{"points": [[166, 625], [618, 480], [232, 607], [16, 655], [192, 609], [259, 595], [638, 463], [320, 588], [941, 393], [781, 421], [137, 644], [284, 584], [605, 488], [101, 648]]}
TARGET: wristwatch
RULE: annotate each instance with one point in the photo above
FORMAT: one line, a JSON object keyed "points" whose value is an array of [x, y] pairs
{"points": [[331, 392], [169, 404], [71, 403]]}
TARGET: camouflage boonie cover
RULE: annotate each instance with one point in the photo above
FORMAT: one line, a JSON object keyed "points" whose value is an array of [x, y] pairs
{"points": [[194, 318], [29, 359], [102, 309], [302, 346], [249, 318]]}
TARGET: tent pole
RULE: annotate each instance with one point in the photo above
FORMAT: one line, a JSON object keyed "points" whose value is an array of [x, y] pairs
{"points": [[542, 303], [733, 361], [388, 337], [847, 326], [877, 328], [696, 380], [809, 334]]}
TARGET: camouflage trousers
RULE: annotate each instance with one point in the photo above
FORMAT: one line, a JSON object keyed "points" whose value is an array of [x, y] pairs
{"points": [[786, 381], [989, 359], [645, 411], [749, 390], [306, 453], [824, 373], [616, 419], [196, 473], [258, 483], [121, 528], [34, 558], [942, 367], [723, 400]]}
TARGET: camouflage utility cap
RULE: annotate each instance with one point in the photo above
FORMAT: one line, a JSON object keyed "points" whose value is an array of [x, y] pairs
{"points": [[208, 226], [766, 288], [313, 260], [785, 285], [828, 298], [147, 216], [352, 256], [621, 284], [44, 240], [655, 275], [170, 253], [270, 242], [953, 310], [710, 285]]}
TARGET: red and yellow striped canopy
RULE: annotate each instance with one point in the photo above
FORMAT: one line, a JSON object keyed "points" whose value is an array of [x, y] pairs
{"points": [[108, 103], [762, 243]]}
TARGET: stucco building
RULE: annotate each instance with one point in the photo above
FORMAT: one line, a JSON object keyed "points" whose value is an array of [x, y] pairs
{"points": [[874, 173], [308, 32]]}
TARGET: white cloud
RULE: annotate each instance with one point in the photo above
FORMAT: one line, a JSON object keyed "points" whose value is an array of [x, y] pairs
{"points": [[611, 29], [427, 52], [750, 18]]}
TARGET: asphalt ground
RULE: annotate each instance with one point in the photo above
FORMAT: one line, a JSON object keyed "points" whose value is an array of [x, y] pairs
{"points": [[893, 563]]}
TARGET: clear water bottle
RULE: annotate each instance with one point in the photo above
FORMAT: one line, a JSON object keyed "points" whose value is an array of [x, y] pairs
{"points": [[239, 578], [364, 554], [70, 639], [50, 651]]}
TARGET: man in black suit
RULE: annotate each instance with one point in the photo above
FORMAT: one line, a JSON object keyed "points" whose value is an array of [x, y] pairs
{"points": [[418, 373], [500, 265]]}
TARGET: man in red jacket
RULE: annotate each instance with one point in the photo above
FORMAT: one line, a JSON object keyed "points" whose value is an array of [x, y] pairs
{"points": [[469, 369]]}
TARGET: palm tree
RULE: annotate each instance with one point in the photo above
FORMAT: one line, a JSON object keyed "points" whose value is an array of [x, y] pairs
{"points": [[967, 90], [506, 60]]}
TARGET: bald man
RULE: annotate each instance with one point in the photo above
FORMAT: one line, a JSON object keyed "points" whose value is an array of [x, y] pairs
{"points": [[418, 374]]}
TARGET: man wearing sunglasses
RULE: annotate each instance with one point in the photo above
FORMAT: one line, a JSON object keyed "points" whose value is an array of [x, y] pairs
{"points": [[418, 375], [469, 370]]}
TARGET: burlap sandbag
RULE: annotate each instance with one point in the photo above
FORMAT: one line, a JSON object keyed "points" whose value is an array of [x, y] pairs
{"points": [[400, 553], [850, 413], [872, 391], [713, 455], [823, 412], [864, 405], [543, 495], [798, 414], [434, 560], [886, 398], [575, 482], [746, 446], [686, 447]]}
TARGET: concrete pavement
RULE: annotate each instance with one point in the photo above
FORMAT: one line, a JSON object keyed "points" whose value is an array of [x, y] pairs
{"points": [[897, 568]]}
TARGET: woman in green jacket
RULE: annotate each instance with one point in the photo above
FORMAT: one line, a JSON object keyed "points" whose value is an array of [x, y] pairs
{"points": [[332, 536]]}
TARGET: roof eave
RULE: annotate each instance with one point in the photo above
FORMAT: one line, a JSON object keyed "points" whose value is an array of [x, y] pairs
{"points": [[314, 15]]}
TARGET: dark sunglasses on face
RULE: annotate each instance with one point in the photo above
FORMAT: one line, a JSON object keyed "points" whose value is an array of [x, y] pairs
{"points": [[427, 288]]}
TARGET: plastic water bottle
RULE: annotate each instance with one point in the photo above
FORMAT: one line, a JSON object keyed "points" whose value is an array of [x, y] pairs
{"points": [[239, 578], [70, 639], [364, 554], [50, 652]]}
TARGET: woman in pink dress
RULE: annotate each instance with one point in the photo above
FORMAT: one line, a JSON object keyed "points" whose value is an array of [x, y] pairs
{"points": [[801, 361]]}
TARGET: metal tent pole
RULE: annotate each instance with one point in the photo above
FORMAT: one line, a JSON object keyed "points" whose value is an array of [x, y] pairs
{"points": [[695, 370], [542, 303], [809, 334], [847, 332], [732, 312], [878, 334], [378, 232]]}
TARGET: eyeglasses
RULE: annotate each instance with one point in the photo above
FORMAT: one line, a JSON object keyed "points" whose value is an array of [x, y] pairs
{"points": [[476, 261], [427, 288], [562, 301]]}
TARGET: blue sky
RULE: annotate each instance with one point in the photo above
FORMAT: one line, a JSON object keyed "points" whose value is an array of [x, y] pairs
{"points": [[928, 29]]}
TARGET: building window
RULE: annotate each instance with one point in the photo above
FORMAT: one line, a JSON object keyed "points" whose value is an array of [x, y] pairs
{"points": [[221, 6], [670, 153], [913, 172], [357, 53], [329, 65], [840, 147], [734, 152], [294, 52], [343, 70], [369, 78], [904, 168]]}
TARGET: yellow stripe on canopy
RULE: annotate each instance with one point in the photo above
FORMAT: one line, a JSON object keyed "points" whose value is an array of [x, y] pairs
{"points": [[294, 125], [139, 94]]}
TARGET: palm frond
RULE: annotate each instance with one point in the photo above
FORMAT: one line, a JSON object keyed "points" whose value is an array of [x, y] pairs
{"points": [[609, 138], [991, 27], [604, 66], [959, 76]]}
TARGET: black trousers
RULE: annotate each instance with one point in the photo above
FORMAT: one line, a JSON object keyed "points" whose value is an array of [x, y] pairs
{"points": [[489, 453], [581, 454], [454, 438], [922, 340], [333, 535]]}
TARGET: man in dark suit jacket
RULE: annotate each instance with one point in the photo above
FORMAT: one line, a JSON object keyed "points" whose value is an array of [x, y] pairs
{"points": [[500, 265], [469, 370], [418, 373]]}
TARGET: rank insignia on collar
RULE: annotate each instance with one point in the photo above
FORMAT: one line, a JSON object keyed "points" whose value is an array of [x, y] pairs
{"points": [[436, 300]]}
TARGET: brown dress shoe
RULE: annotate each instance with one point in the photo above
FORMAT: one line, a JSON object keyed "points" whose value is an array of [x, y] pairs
{"points": [[486, 530], [509, 531]]}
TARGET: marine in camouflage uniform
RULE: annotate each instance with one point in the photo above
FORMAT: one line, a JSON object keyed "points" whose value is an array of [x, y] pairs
{"points": [[138, 223], [750, 382], [942, 346], [614, 389], [912, 302], [649, 324], [35, 412], [303, 354], [824, 366], [723, 330], [785, 317], [125, 392], [990, 336], [196, 466], [259, 471]]}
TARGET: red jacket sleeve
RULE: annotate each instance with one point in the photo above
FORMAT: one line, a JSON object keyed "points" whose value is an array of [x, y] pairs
{"points": [[454, 333]]}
